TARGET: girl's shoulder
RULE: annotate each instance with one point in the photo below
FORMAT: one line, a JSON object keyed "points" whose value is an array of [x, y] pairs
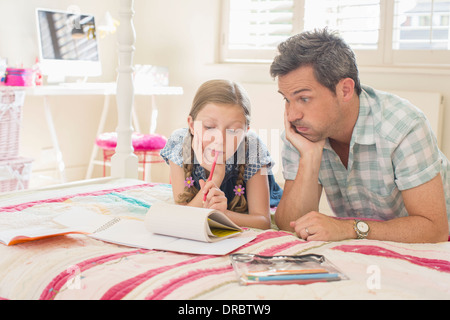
{"points": [[257, 150], [258, 155], [173, 149], [179, 134]]}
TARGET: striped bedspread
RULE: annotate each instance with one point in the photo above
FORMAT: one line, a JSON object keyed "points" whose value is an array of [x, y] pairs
{"points": [[79, 267]]}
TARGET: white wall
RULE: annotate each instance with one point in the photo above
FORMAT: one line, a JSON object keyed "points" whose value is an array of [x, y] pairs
{"points": [[188, 43], [75, 117], [184, 39]]}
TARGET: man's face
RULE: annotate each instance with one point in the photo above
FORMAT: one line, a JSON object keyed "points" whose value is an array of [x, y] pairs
{"points": [[312, 109]]}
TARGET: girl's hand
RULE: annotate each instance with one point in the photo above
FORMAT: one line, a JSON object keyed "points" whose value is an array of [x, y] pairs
{"points": [[219, 173], [215, 198]]}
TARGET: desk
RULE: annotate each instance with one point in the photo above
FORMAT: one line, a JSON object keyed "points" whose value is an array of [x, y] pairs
{"points": [[105, 89]]}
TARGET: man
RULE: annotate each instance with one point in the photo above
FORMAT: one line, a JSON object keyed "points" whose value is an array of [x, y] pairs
{"points": [[373, 153]]}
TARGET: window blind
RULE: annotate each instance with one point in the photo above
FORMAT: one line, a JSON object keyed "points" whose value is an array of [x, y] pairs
{"points": [[358, 22], [382, 32], [259, 24]]}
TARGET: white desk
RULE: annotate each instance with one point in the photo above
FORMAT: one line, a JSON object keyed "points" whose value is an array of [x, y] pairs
{"points": [[104, 89]]}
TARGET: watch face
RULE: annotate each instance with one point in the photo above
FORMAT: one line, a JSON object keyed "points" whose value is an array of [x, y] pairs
{"points": [[362, 226]]}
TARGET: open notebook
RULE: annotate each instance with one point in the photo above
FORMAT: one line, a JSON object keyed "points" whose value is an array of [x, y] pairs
{"points": [[165, 227]]}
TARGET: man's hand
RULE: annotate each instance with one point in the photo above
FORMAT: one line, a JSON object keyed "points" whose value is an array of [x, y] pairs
{"points": [[317, 226], [302, 144]]}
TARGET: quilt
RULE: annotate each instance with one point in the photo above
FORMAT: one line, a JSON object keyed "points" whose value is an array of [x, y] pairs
{"points": [[79, 267]]}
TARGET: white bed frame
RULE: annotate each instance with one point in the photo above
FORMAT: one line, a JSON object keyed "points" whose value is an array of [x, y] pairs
{"points": [[124, 163]]}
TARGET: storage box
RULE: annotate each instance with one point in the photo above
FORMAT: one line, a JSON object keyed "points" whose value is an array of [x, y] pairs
{"points": [[11, 102], [19, 77], [15, 174]]}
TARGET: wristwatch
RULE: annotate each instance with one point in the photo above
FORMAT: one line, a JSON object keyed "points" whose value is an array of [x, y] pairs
{"points": [[361, 228]]}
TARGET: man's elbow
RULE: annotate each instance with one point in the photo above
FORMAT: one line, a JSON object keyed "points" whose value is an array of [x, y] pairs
{"points": [[440, 233], [443, 234], [282, 223]]}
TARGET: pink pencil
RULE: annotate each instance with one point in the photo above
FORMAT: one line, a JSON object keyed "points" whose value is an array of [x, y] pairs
{"points": [[216, 154]]}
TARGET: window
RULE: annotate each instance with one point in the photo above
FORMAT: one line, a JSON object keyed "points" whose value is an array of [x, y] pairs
{"points": [[358, 22], [381, 32], [256, 27], [421, 25]]}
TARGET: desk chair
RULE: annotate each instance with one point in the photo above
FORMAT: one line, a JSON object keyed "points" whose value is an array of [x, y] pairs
{"points": [[146, 147]]}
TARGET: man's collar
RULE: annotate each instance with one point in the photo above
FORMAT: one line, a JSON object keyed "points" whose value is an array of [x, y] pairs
{"points": [[363, 132]]}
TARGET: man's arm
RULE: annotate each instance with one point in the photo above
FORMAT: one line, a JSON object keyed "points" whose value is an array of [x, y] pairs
{"points": [[300, 195], [426, 221]]}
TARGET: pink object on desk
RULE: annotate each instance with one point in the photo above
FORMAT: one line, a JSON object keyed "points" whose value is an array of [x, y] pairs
{"points": [[19, 77]]}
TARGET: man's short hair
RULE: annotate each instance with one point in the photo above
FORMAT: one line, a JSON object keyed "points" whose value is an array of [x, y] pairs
{"points": [[330, 56]]}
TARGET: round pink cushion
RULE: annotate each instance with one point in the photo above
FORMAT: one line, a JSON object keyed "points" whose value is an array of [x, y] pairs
{"points": [[141, 142]]}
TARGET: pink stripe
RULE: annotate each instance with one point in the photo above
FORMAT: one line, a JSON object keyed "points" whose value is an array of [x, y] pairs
{"points": [[121, 289], [22, 206], [440, 265], [176, 283], [271, 235], [273, 250], [267, 235], [58, 282]]}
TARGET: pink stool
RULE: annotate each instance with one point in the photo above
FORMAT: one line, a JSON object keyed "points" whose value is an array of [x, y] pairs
{"points": [[146, 147]]}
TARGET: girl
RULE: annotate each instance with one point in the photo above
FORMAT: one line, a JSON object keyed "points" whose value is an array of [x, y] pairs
{"points": [[218, 123]]}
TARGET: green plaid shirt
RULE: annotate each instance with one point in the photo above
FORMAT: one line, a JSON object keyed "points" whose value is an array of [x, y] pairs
{"points": [[392, 149]]}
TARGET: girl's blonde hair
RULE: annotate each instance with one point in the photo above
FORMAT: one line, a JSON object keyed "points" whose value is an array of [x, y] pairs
{"points": [[223, 92]]}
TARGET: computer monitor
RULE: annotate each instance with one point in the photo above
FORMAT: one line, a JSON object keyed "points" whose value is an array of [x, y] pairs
{"points": [[68, 45]]}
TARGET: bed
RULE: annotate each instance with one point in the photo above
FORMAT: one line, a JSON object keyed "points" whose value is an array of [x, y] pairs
{"points": [[76, 266]]}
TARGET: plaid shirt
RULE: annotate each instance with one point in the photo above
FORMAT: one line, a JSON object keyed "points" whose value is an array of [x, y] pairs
{"points": [[392, 149]]}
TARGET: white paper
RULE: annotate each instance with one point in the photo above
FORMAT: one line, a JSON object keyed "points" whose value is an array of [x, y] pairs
{"points": [[185, 222], [83, 220], [135, 233], [188, 223]]}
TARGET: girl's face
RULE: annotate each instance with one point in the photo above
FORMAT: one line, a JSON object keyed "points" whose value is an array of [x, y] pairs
{"points": [[220, 128]]}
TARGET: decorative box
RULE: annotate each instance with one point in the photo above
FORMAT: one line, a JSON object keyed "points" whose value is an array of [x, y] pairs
{"points": [[11, 102], [15, 174]]}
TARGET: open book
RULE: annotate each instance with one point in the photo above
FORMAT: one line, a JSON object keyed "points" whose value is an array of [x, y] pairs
{"points": [[16, 236], [190, 222], [165, 227]]}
